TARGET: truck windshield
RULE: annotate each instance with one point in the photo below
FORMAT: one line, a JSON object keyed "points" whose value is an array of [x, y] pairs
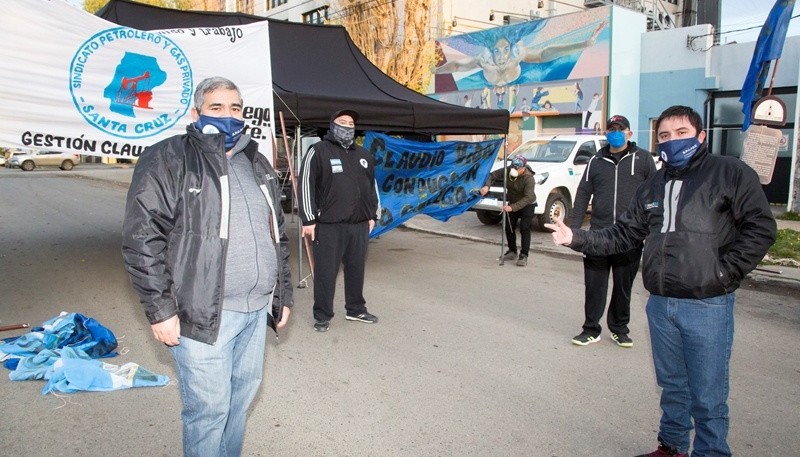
{"points": [[546, 151]]}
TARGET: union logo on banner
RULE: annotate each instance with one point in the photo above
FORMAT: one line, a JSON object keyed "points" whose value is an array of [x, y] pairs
{"points": [[130, 83]]}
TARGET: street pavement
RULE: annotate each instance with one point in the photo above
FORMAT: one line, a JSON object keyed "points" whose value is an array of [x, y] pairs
{"points": [[467, 227], [470, 358]]}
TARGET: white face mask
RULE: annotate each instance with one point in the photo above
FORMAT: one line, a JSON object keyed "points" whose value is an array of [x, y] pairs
{"points": [[514, 173]]}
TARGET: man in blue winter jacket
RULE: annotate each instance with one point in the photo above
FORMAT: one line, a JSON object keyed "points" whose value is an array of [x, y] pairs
{"points": [[706, 223]]}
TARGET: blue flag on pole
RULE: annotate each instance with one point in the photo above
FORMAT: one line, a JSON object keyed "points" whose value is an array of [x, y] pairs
{"points": [[768, 48], [438, 179]]}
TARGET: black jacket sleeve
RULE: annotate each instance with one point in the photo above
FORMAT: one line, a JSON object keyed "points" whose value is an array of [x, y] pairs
{"points": [[629, 232], [286, 291], [496, 175], [308, 181], [150, 212], [756, 227], [582, 197]]}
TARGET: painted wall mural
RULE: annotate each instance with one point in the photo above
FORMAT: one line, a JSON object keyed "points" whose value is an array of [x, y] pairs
{"points": [[550, 65]]}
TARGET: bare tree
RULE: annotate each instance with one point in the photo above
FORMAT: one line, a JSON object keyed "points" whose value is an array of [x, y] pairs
{"points": [[398, 42], [93, 6]]}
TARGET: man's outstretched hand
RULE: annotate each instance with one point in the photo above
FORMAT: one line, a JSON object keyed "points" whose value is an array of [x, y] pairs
{"points": [[561, 233]]}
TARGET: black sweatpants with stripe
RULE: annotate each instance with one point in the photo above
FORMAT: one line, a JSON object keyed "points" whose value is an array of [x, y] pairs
{"points": [[334, 245]]}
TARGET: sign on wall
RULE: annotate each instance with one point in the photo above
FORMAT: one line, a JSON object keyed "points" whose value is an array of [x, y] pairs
{"points": [[70, 81]]}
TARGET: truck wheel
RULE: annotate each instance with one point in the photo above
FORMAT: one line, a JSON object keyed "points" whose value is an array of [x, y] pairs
{"points": [[557, 207], [488, 217], [538, 222]]}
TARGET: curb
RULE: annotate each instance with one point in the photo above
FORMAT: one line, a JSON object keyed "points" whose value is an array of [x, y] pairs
{"points": [[755, 280]]}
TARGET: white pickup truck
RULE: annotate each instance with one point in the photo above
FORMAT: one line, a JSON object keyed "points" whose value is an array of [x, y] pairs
{"points": [[558, 163]]}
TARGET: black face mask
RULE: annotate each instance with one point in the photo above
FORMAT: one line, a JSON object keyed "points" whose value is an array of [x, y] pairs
{"points": [[344, 135]]}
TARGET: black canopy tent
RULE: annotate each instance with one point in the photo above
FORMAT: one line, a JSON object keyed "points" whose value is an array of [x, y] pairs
{"points": [[317, 69]]}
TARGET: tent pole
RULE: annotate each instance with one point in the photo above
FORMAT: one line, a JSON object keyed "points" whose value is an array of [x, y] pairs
{"points": [[302, 241], [503, 214], [293, 161]]}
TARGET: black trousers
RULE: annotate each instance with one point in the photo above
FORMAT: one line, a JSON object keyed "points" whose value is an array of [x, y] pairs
{"points": [[623, 267], [335, 245], [524, 219]]}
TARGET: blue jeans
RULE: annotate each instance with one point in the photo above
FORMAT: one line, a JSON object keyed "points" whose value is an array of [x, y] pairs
{"points": [[218, 382], [692, 342]]}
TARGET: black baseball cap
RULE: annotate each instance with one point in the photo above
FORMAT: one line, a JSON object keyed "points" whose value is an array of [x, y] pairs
{"points": [[345, 112], [619, 120]]}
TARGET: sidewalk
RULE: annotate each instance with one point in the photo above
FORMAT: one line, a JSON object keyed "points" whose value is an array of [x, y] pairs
{"points": [[466, 227]]}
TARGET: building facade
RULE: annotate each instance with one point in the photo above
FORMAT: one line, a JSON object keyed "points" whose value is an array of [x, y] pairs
{"points": [[623, 70]]}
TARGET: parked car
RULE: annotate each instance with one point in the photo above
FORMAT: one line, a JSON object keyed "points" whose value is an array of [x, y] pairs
{"points": [[30, 160], [558, 163]]}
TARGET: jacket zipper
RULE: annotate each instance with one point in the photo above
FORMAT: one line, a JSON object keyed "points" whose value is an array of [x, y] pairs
{"points": [[667, 201]]}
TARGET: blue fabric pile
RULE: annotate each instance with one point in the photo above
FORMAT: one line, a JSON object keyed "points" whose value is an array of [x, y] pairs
{"points": [[64, 352]]}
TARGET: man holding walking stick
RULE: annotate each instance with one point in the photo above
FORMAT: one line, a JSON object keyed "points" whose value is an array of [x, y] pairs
{"points": [[519, 207]]}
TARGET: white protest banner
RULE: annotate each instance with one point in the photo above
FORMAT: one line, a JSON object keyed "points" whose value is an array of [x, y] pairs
{"points": [[70, 81]]}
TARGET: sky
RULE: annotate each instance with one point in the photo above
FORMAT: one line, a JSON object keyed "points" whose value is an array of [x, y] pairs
{"points": [[742, 14]]}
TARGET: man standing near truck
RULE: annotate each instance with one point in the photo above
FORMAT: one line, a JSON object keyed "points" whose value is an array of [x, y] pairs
{"points": [[609, 182]]}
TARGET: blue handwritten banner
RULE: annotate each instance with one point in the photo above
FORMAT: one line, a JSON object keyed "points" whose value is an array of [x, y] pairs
{"points": [[438, 179]]}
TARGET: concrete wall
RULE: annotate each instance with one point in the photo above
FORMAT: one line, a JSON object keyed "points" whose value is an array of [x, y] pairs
{"points": [[627, 29], [675, 71], [732, 61]]}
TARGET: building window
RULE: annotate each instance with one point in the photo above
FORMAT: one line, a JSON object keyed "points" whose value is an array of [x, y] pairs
{"points": [[245, 6], [275, 3], [317, 16]]}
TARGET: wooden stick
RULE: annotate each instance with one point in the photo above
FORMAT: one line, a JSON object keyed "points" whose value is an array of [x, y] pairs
{"points": [[13, 327], [292, 175], [772, 80]]}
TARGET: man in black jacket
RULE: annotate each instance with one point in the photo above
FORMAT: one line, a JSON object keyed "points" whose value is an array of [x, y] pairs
{"points": [[339, 206], [611, 177], [205, 244], [520, 192], [706, 223]]}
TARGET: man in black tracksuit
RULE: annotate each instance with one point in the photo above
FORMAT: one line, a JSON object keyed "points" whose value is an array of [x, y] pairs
{"points": [[611, 177], [339, 206]]}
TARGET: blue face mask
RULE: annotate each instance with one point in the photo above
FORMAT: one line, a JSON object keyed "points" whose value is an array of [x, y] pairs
{"points": [[677, 153], [230, 126], [616, 138]]}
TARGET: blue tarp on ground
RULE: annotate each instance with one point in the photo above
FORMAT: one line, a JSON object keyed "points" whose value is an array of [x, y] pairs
{"points": [[63, 351]]}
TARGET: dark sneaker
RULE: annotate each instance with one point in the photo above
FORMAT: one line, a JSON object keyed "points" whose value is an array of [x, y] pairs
{"points": [[365, 317], [622, 339], [510, 255], [322, 326], [585, 339], [664, 451], [522, 261]]}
